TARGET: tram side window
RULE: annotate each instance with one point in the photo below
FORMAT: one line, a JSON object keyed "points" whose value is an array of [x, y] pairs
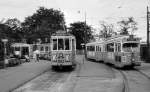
{"points": [[99, 48], [46, 48], [90, 48], [119, 47], [54, 44], [60, 44], [96, 48], [67, 47], [110, 47], [42, 48]]}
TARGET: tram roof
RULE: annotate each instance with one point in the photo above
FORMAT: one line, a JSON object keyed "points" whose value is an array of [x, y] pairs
{"points": [[97, 42], [121, 37], [20, 45]]}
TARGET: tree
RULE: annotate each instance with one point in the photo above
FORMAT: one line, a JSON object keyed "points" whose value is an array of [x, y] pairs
{"points": [[43, 23], [128, 26], [107, 30], [82, 32], [15, 25]]}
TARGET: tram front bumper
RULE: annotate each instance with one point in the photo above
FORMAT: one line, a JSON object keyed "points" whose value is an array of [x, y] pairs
{"points": [[134, 63], [61, 64]]}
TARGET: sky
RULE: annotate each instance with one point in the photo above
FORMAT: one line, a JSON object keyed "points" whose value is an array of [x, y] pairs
{"points": [[93, 11]]}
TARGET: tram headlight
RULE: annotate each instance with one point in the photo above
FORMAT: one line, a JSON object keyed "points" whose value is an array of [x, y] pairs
{"points": [[133, 59], [67, 57]]}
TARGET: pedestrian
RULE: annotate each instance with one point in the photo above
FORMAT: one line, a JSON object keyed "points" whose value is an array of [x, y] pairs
{"points": [[36, 55], [27, 58]]}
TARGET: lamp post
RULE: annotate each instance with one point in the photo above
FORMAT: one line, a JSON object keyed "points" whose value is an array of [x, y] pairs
{"points": [[5, 51]]}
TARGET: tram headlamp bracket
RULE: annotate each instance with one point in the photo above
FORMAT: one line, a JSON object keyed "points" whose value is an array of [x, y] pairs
{"points": [[123, 58], [67, 57]]}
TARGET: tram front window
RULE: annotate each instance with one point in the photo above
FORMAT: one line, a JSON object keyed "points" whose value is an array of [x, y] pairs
{"points": [[67, 47], [54, 44], [60, 44], [130, 47], [17, 48]]}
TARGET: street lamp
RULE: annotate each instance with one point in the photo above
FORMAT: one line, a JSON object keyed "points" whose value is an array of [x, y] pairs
{"points": [[5, 51]]}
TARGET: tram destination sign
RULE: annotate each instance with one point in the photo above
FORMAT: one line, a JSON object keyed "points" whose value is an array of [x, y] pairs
{"points": [[61, 33]]}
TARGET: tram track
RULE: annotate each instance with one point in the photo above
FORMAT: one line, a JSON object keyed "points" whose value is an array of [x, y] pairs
{"points": [[134, 77], [125, 82], [148, 77], [124, 77]]}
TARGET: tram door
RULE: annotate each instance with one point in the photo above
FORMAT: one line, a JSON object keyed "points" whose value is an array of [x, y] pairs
{"points": [[25, 51]]}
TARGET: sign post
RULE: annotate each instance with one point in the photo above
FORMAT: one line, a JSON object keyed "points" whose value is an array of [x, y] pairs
{"points": [[5, 52], [82, 44]]}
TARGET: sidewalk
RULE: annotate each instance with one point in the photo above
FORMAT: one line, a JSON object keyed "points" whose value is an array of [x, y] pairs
{"points": [[13, 77]]}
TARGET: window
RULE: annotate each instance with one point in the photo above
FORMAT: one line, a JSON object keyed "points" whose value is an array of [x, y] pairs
{"points": [[110, 47], [96, 48], [117, 47], [99, 48], [60, 44], [54, 44], [17, 48], [42, 48], [127, 45], [90, 48], [46, 48], [67, 47]]}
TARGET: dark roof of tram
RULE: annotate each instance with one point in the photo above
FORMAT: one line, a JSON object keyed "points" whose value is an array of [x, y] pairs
{"points": [[62, 33]]}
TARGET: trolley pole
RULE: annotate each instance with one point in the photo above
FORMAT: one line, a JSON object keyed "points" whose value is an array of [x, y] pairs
{"points": [[148, 47]]}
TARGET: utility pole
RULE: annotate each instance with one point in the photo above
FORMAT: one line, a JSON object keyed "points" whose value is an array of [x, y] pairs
{"points": [[148, 47], [85, 36]]}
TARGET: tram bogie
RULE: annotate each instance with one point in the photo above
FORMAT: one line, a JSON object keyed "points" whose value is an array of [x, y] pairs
{"points": [[120, 51]]}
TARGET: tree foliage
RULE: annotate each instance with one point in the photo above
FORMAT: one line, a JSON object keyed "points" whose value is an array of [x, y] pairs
{"points": [[128, 26], [15, 29], [82, 32], [107, 30], [43, 23]]}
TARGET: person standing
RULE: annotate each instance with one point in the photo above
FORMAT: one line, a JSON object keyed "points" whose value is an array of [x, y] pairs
{"points": [[36, 55]]}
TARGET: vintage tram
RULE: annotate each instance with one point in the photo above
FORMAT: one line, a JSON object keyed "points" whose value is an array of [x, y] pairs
{"points": [[121, 51], [63, 49]]}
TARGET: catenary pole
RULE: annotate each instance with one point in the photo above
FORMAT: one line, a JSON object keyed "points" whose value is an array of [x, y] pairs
{"points": [[148, 47]]}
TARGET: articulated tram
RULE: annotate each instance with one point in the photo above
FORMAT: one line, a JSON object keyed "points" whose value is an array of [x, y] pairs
{"points": [[121, 51], [63, 49]]}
